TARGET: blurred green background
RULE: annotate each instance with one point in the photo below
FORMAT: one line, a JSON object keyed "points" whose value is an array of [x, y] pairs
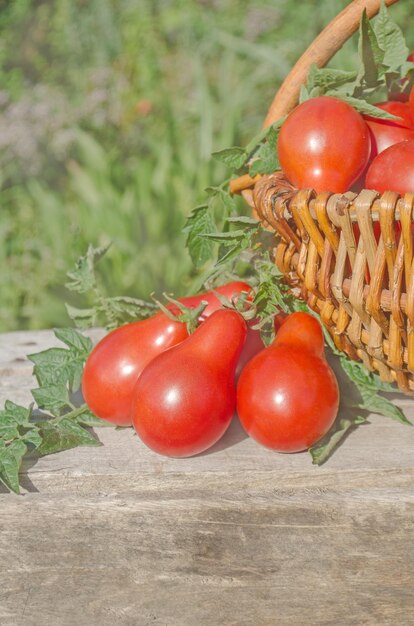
{"points": [[110, 110]]}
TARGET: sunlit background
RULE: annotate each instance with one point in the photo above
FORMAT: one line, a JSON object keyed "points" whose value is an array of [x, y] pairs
{"points": [[110, 110]]}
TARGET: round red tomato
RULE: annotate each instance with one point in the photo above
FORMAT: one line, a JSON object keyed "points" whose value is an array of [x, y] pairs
{"points": [[185, 398], [287, 398], [385, 133], [314, 140], [393, 169]]}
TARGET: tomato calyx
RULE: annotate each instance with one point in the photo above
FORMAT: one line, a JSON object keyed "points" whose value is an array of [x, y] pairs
{"points": [[179, 312]]}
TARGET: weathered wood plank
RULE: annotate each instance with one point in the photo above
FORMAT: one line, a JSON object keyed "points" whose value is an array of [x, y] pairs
{"points": [[236, 536]]}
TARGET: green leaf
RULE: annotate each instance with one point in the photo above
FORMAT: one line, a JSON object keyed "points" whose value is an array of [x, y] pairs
{"points": [[266, 160], [390, 39], [199, 223], [370, 53], [82, 318], [52, 366], [304, 94], [59, 366], [228, 237], [368, 109], [32, 437], [19, 414], [74, 339], [53, 398], [325, 79], [323, 449], [87, 418], [234, 157], [243, 220], [63, 435], [378, 404], [10, 462], [82, 278], [221, 202]]}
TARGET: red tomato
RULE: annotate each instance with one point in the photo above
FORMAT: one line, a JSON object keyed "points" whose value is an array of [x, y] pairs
{"points": [[231, 291], [411, 103], [252, 345], [385, 133], [116, 362], [287, 395], [399, 109], [114, 365], [185, 398], [393, 169], [302, 330], [314, 140]]}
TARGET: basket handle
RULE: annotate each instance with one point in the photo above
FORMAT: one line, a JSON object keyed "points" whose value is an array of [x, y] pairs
{"points": [[321, 50]]}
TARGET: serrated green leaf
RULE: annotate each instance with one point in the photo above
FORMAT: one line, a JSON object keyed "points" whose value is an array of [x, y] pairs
{"points": [[371, 54], [198, 223], [63, 435], [266, 160], [220, 202], [327, 79], [74, 339], [8, 430], [234, 157], [53, 398], [10, 462], [378, 404], [368, 109], [82, 278], [19, 414], [58, 366], [82, 318], [87, 418], [32, 437], [390, 39]]}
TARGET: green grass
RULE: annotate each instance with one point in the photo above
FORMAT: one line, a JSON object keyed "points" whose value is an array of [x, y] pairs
{"points": [[110, 111]]}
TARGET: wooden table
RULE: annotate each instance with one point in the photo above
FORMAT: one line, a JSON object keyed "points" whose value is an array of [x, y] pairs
{"points": [[236, 536]]}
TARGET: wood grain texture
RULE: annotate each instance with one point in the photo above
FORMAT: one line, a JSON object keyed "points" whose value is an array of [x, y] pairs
{"points": [[237, 536]]}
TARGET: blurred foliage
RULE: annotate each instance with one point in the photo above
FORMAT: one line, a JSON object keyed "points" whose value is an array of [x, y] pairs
{"points": [[109, 112]]}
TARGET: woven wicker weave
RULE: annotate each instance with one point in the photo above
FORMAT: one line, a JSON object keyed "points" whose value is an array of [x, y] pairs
{"points": [[351, 255]]}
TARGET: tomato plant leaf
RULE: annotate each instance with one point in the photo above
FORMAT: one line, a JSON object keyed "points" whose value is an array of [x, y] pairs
{"points": [[199, 223], [82, 278], [63, 435], [368, 109], [19, 414], [82, 318], [323, 449], [53, 398], [265, 159], [75, 340], [10, 461], [220, 202], [371, 55], [378, 404], [321, 80], [234, 157], [87, 418], [390, 39]]}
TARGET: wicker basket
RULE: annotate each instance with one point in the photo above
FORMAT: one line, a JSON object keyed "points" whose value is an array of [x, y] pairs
{"points": [[363, 290]]}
